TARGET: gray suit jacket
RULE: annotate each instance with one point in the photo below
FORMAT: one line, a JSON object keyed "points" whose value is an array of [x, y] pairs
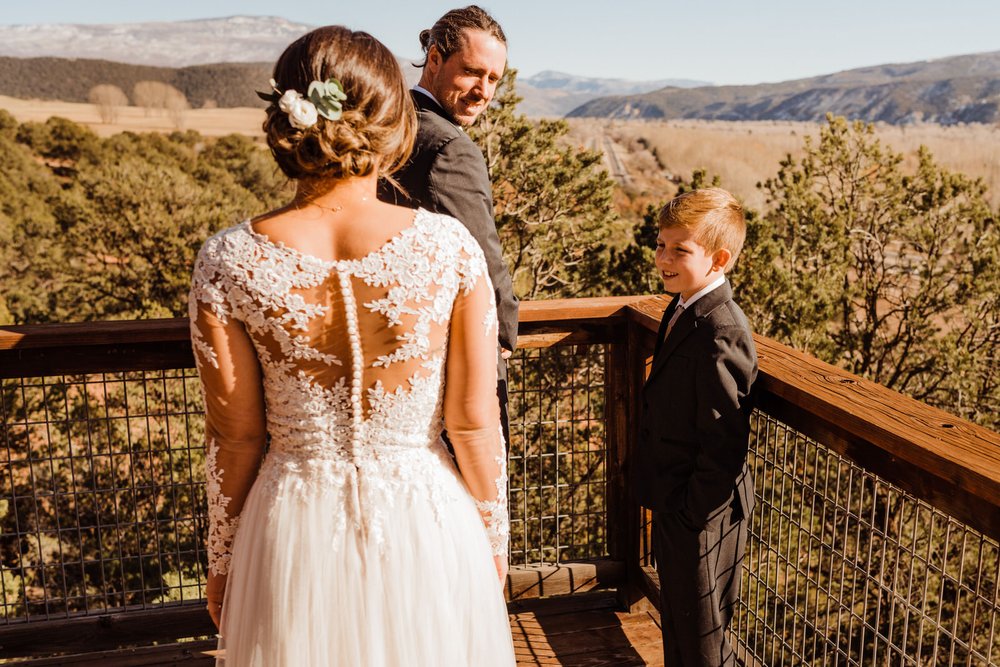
{"points": [[447, 174], [695, 424]]}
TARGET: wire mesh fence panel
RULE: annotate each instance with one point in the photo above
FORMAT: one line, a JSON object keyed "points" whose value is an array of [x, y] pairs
{"points": [[557, 455], [844, 568], [102, 500], [102, 509], [101, 493]]}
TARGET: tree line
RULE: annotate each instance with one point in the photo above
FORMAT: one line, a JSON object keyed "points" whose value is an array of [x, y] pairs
{"points": [[152, 96], [891, 274]]}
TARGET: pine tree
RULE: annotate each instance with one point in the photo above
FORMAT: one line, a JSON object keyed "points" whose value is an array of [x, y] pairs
{"points": [[893, 276], [552, 201]]}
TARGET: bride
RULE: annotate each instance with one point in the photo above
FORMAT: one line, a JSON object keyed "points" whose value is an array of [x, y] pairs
{"points": [[336, 338]]}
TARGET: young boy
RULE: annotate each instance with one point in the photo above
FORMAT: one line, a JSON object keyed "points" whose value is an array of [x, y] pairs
{"points": [[690, 462]]}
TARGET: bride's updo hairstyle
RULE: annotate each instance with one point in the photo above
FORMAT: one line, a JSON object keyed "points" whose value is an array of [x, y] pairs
{"points": [[378, 123]]}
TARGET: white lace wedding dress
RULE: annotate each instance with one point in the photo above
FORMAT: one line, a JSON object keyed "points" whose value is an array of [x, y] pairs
{"points": [[354, 540]]}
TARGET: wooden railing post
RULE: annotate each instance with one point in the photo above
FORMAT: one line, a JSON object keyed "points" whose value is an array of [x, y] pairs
{"points": [[617, 399], [625, 373]]}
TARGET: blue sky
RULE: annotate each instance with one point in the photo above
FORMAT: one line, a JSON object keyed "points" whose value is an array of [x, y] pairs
{"points": [[725, 42]]}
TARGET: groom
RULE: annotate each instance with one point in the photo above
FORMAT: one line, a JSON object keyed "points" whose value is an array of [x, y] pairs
{"points": [[465, 56]]}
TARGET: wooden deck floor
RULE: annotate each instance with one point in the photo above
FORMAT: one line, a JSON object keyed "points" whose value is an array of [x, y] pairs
{"points": [[585, 633], [575, 631]]}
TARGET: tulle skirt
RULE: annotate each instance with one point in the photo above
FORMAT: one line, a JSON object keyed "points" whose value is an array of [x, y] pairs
{"points": [[334, 566]]}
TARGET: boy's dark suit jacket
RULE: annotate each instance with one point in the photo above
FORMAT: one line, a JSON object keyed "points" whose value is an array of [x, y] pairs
{"points": [[694, 428], [447, 173]]}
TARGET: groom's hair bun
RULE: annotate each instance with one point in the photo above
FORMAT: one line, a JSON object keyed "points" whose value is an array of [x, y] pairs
{"points": [[378, 123], [446, 34]]}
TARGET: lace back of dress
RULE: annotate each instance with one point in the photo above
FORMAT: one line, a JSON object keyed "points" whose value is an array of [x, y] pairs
{"points": [[353, 341]]}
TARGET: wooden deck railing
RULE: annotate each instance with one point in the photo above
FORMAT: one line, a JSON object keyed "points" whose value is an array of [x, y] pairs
{"points": [[875, 536]]}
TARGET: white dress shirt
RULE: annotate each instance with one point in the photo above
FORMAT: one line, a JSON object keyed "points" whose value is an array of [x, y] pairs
{"points": [[687, 303]]}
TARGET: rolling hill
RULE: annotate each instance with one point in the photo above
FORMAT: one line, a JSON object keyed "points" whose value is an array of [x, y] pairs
{"points": [[70, 80], [960, 89]]}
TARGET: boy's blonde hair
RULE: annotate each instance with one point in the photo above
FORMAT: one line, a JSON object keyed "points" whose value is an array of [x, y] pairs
{"points": [[712, 215]]}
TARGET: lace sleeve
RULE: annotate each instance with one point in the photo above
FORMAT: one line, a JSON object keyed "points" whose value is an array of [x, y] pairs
{"points": [[472, 412], [234, 405]]}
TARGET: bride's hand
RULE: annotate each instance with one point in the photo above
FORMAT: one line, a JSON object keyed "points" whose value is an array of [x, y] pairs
{"points": [[502, 568], [214, 591]]}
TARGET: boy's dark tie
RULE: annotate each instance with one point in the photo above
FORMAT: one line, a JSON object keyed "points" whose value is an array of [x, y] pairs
{"points": [[673, 320]]}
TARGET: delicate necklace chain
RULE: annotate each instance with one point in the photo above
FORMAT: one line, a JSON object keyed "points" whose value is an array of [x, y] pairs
{"points": [[332, 209], [312, 202]]}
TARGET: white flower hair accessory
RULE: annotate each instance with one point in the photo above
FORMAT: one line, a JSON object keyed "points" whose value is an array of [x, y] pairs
{"points": [[301, 112], [324, 98]]}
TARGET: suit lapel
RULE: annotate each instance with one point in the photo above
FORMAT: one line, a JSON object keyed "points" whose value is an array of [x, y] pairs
{"points": [[687, 322], [425, 103]]}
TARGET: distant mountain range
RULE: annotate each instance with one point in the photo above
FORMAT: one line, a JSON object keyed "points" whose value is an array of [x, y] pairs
{"points": [[960, 89], [234, 39], [186, 55], [224, 60], [556, 93]]}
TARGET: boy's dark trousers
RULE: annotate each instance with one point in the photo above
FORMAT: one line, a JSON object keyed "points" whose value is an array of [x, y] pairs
{"points": [[700, 574]]}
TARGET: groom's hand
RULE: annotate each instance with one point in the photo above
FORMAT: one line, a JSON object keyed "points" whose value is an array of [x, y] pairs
{"points": [[505, 353]]}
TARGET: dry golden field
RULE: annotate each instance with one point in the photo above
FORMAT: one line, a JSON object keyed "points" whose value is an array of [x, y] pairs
{"points": [[745, 153], [210, 122]]}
